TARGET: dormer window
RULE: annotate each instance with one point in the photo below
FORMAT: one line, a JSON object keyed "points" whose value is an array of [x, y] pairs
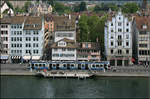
{"points": [[61, 43], [144, 26]]}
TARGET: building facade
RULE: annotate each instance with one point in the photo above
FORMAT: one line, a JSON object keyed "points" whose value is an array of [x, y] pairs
{"points": [[88, 51], [64, 50], [118, 39], [141, 39], [4, 39], [25, 38], [65, 27]]}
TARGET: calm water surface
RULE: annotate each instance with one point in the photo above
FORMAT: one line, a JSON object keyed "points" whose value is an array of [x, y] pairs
{"points": [[102, 87]]}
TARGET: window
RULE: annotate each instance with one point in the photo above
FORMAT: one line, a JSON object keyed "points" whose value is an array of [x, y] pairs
{"points": [[28, 32], [119, 30], [112, 51], [112, 37], [111, 24], [35, 44], [112, 43], [127, 51], [127, 43], [142, 45], [119, 43], [28, 45], [119, 18], [112, 30], [127, 30], [14, 32], [119, 24], [35, 51], [127, 36], [127, 24], [119, 51], [20, 32], [28, 51], [119, 37], [35, 32], [35, 38], [28, 38], [143, 33], [20, 38]]}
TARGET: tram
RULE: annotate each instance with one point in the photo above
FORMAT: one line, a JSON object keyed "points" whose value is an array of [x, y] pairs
{"points": [[69, 65]]}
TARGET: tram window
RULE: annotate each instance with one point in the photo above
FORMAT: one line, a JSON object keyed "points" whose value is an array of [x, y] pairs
{"points": [[40, 65], [64, 65], [93, 65], [82, 65], [50, 65], [72, 65], [36, 64], [101, 65], [57, 64], [97, 65], [43, 65]]}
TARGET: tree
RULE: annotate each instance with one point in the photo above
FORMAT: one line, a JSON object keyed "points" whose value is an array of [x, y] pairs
{"points": [[80, 7], [61, 8], [26, 6], [84, 29], [129, 8]]}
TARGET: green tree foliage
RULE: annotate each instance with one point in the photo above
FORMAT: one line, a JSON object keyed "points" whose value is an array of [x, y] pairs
{"points": [[80, 7], [61, 8], [51, 2], [18, 10], [105, 7], [26, 6], [91, 29], [129, 7]]}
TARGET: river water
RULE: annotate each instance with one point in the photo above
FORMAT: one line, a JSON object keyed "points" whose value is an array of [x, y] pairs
{"points": [[99, 87]]}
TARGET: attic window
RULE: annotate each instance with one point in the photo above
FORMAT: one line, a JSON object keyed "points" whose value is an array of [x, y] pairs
{"points": [[144, 26]]}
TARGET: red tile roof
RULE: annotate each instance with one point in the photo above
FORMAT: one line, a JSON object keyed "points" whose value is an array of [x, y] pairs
{"points": [[142, 20]]}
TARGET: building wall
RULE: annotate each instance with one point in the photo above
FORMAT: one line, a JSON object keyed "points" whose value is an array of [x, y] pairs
{"points": [[5, 30], [118, 30], [57, 54], [68, 34]]}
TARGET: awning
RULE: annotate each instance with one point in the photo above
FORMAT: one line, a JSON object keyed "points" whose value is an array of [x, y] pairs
{"points": [[3, 57], [33, 57], [26, 57]]}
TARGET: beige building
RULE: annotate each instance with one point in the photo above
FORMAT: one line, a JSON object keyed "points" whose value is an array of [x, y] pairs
{"points": [[141, 40]]}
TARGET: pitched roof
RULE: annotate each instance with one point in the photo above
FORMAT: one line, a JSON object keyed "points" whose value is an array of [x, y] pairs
{"points": [[63, 23], [17, 19], [5, 20], [142, 20], [33, 23]]}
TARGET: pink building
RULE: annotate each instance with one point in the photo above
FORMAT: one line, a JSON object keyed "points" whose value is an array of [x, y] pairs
{"points": [[88, 51]]}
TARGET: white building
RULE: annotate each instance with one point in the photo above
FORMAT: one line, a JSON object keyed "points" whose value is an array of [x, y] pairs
{"points": [[33, 33], [64, 28], [26, 38], [64, 50], [4, 38], [118, 39]]}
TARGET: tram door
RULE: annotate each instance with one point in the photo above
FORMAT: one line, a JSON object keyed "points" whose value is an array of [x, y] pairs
{"points": [[50, 66], [68, 66], [86, 66], [79, 66], [57, 66]]}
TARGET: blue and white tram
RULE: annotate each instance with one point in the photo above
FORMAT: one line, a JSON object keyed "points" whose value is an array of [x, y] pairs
{"points": [[69, 65]]}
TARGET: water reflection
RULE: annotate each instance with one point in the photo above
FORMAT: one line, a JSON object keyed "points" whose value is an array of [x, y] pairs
{"points": [[32, 87]]}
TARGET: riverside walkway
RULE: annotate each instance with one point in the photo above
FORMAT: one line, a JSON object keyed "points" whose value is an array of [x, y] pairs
{"points": [[21, 69]]}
